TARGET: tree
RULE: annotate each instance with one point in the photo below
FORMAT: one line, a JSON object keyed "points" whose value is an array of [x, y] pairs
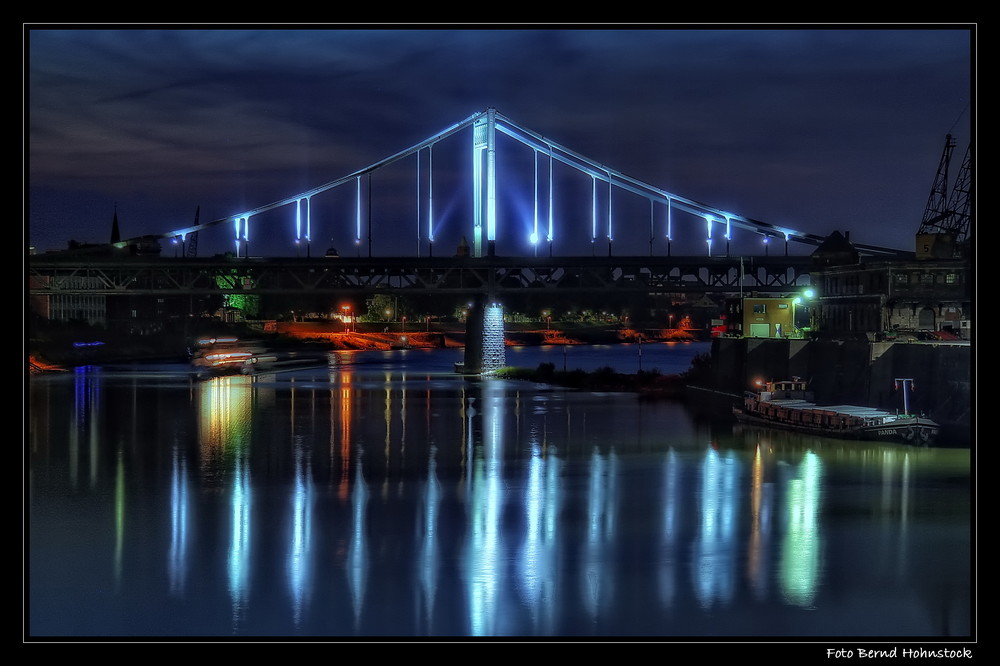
{"points": [[383, 307]]}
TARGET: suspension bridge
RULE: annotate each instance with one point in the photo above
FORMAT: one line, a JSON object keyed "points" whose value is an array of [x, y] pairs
{"points": [[574, 224], [603, 213]]}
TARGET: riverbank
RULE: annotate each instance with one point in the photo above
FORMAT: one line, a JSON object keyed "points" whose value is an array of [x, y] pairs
{"points": [[65, 348], [369, 338], [648, 384]]}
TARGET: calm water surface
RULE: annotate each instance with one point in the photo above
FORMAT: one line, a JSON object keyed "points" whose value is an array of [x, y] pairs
{"points": [[387, 497]]}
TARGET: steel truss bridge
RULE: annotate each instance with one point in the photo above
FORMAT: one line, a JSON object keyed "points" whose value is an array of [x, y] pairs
{"points": [[446, 275]]}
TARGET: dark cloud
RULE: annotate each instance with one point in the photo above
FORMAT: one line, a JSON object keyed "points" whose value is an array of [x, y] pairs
{"points": [[817, 129]]}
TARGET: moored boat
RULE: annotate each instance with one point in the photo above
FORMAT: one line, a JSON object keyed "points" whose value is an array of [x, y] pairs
{"points": [[790, 405], [226, 356]]}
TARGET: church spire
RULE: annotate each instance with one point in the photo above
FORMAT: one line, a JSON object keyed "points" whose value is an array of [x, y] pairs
{"points": [[115, 234]]}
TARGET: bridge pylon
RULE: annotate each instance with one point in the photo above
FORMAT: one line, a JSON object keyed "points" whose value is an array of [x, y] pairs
{"points": [[485, 348], [484, 177]]}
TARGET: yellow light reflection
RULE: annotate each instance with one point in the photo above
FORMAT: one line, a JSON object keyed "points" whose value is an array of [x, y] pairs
{"points": [[226, 408], [344, 406], [760, 501]]}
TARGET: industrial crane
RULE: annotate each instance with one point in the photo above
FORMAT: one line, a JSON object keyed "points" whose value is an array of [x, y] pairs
{"points": [[945, 231]]}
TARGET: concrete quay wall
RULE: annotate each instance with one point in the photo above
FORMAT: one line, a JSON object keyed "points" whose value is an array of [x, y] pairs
{"points": [[857, 372]]}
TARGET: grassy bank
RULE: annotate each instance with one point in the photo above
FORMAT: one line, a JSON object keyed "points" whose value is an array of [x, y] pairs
{"points": [[648, 384]]}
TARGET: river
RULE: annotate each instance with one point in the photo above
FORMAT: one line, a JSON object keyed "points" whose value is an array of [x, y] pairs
{"points": [[383, 496]]}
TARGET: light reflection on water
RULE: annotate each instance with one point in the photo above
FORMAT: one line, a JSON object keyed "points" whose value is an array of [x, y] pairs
{"points": [[379, 499]]}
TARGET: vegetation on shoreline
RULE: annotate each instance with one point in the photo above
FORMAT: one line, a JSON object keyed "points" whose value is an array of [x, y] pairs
{"points": [[648, 384]]}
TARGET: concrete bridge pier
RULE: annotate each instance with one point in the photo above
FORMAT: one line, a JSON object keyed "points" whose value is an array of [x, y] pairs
{"points": [[485, 351]]}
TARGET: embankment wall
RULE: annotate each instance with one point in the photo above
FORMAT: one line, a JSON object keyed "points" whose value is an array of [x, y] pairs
{"points": [[857, 372]]}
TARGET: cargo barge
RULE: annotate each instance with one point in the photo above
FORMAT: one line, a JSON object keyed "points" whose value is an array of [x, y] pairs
{"points": [[790, 405]]}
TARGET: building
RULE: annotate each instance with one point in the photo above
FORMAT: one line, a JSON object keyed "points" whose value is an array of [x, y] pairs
{"points": [[891, 297], [762, 317], [74, 307], [928, 293]]}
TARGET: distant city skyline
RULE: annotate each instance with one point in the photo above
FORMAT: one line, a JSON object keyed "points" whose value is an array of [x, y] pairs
{"points": [[818, 129]]}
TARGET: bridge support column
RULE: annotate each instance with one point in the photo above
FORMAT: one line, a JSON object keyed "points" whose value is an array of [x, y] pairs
{"points": [[485, 351], [484, 173]]}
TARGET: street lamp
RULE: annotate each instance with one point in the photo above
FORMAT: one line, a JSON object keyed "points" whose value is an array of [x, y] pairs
{"points": [[402, 322], [347, 317]]}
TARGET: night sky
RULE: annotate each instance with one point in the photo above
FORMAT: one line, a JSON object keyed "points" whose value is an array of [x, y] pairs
{"points": [[818, 128]]}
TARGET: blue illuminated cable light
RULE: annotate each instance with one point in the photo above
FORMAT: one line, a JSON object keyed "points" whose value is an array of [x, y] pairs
{"points": [[593, 209], [308, 201], [550, 237], [670, 213], [610, 186], [298, 220], [534, 233], [430, 193], [357, 236]]}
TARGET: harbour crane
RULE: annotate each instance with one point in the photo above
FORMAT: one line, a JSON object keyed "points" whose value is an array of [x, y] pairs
{"points": [[945, 230]]}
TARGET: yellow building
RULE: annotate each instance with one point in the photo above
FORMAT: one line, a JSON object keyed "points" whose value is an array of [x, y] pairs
{"points": [[761, 317]]}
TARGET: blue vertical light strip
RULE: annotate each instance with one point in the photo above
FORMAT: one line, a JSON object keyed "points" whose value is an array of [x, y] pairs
{"points": [[241, 225], [430, 193], [551, 195], [610, 187], [418, 202], [357, 235], [708, 227], [593, 210], [298, 220], [308, 219], [670, 231], [477, 195], [491, 177], [651, 219], [534, 230]]}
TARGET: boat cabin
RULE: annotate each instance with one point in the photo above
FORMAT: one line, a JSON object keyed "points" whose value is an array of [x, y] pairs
{"points": [[794, 389]]}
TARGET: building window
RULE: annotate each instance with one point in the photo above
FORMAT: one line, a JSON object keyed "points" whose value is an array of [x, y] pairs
{"points": [[758, 308], [950, 278]]}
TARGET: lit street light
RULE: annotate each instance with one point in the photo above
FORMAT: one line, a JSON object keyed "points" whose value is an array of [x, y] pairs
{"points": [[347, 317]]}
